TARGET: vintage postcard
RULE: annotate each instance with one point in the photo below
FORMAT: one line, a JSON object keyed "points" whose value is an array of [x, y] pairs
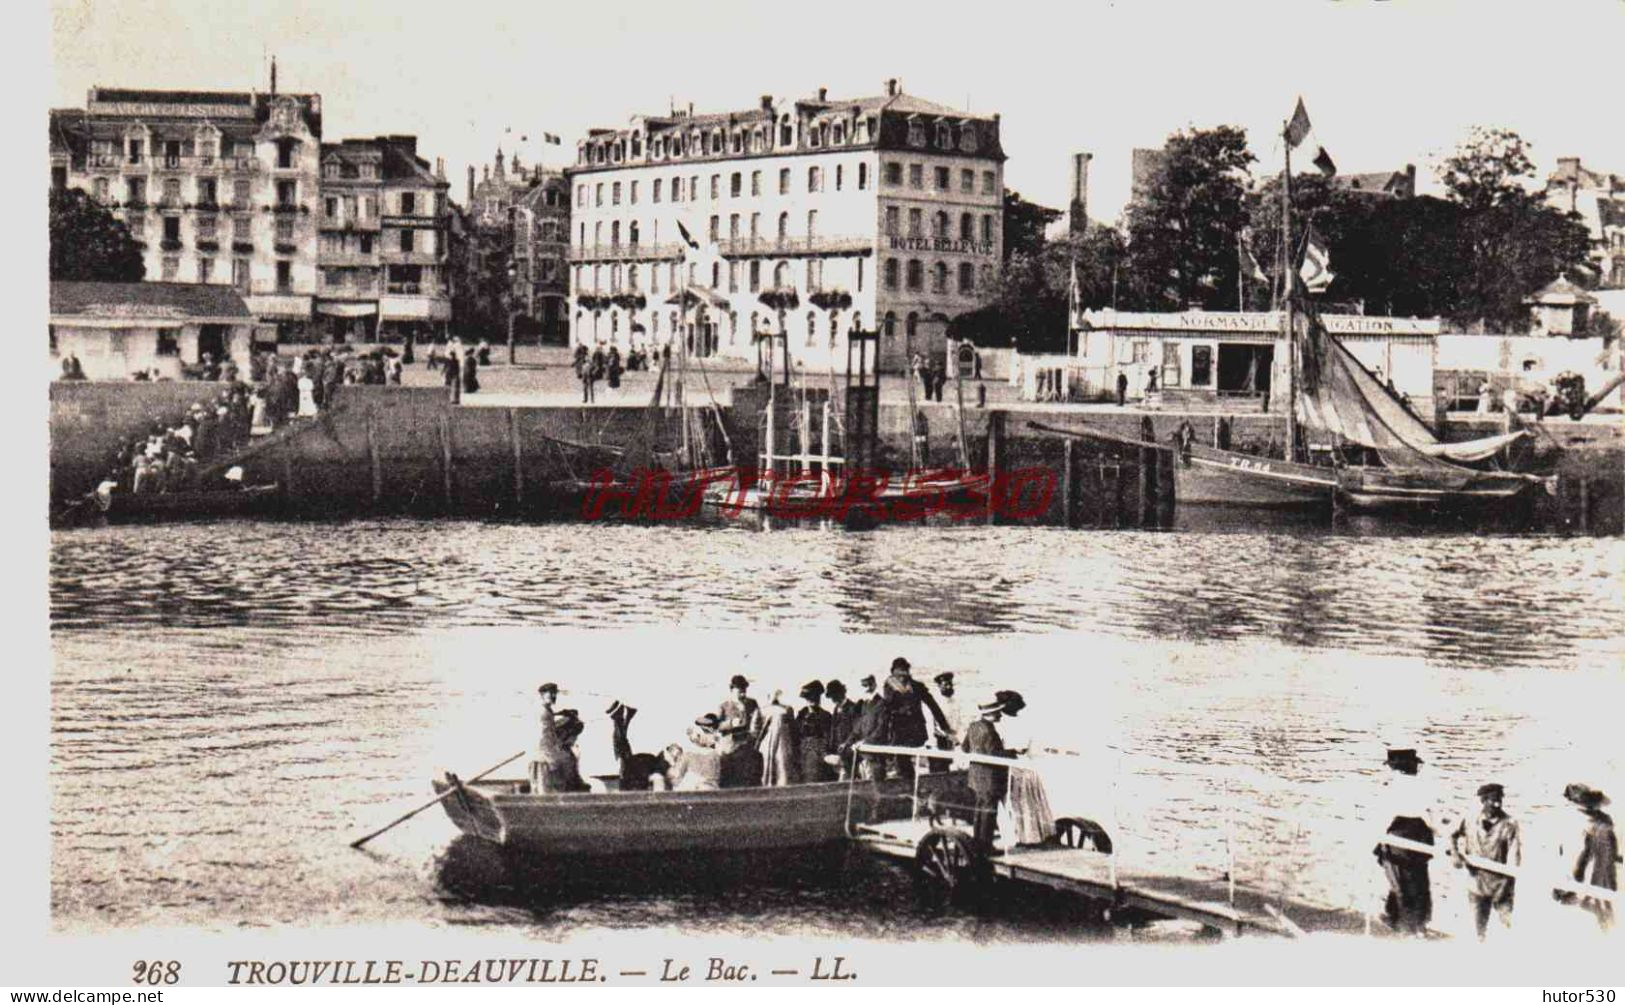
{"points": [[839, 496]]}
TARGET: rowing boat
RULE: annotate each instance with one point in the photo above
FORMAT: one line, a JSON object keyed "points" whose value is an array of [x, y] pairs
{"points": [[602, 824]]}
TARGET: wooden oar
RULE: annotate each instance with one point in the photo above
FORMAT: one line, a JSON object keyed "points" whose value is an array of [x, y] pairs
{"points": [[358, 842]]}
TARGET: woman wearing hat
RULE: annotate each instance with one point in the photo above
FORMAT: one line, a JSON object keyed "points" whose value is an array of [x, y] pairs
{"points": [[780, 761], [813, 729], [1597, 859], [1031, 819]]}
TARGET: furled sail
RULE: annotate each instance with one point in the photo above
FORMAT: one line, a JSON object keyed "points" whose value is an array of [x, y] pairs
{"points": [[1340, 396]]}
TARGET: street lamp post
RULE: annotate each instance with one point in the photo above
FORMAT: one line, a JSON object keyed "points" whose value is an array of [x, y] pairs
{"points": [[513, 276]]}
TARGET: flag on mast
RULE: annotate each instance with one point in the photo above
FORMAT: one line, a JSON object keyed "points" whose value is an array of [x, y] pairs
{"points": [[704, 261], [1323, 161], [550, 138], [1299, 127], [1316, 268], [1249, 262]]}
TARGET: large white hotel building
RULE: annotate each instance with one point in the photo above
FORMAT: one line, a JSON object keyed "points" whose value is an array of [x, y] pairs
{"points": [[882, 212]]}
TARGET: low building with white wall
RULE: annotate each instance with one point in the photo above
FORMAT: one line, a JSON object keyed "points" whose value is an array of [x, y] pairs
{"points": [[116, 329], [1239, 358]]}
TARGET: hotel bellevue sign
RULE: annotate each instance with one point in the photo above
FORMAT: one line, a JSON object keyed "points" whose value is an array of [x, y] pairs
{"points": [[942, 244]]}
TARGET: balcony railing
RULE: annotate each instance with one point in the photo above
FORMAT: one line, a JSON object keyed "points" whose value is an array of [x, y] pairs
{"points": [[626, 252], [104, 160], [348, 257], [406, 289], [739, 247], [242, 165]]}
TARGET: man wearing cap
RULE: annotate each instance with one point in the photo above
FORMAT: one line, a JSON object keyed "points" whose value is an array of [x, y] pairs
{"points": [[989, 782], [552, 767], [950, 711], [1409, 905], [901, 700], [1493, 836], [1596, 862], [813, 726]]}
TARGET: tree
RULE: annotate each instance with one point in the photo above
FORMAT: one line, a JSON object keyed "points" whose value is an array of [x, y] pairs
{"points": [[88, 243], [1024, 225], [1182, 226], [1510, 243], [1487, 169]]}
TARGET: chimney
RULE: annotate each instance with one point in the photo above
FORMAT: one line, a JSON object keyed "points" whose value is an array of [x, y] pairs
{"points": [[273, 76], [1077, 207], [471, 186], [823, 94], [767, 102], [891, 87]]}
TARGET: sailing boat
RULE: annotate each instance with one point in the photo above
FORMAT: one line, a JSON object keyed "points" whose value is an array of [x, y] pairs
{"points": [[1377, 453]]}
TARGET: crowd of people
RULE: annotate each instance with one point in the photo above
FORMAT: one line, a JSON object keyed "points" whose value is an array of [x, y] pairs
{"points": [[1478, 842], [168, 456], [606, 364], [745, 743]]}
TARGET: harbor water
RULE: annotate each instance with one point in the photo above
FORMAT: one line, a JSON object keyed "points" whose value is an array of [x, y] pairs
{"points": [[233, 702]]}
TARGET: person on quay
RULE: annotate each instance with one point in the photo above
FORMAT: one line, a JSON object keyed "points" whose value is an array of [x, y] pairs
{"points": [[952, 712], [1495, 836], [1408, 907], [639, 772], [1595, 854], [778, 746], [471, 369], [988, 782], [813, 730], [453, 377], [903, 702], [553, 765], [1122, 389]]}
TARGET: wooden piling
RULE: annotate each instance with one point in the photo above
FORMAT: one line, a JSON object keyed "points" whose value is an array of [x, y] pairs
{"points": [[1585, 503], [518, 458], [287, 470], [372, 457], [995, 453], [445, 458], [1145, 511], [1069, 467]]}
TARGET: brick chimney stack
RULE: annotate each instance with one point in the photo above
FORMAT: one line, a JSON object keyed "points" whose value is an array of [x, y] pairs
{"points": [[1078, 204]]}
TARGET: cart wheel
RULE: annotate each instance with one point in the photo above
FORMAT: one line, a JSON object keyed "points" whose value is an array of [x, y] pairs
{"points": [[1076, 832], [947, 866]]}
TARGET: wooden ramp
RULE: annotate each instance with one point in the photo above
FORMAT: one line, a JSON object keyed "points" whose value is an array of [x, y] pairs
{"points": [[1212, 903]]}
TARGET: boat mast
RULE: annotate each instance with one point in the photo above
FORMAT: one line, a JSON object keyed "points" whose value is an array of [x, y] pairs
{"points": [[1287, 288]]}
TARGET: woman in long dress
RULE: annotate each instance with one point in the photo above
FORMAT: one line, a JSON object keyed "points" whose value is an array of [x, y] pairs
{"points": [[1031, 819], [778, 744]]}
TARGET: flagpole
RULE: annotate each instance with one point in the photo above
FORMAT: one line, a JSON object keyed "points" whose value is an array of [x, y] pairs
{"points": [[1241, 276], [1287, 284]]}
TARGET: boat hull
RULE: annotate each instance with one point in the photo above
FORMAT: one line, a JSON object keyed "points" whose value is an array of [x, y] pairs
{"points": [[1383, 489], [607, 824], [1205, 476], [251, 501]]}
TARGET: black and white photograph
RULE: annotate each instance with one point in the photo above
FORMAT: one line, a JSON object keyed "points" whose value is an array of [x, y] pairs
{"points": [[834, 495]]}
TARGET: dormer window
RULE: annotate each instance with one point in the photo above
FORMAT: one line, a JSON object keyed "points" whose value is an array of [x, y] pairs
{"points": [[916, 133], [840, 134], [330, 169], [967, 138], [787, 135], [945, 136]]}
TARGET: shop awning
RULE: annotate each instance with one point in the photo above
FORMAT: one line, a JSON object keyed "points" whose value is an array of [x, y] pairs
{"points": [[340, 310]]}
